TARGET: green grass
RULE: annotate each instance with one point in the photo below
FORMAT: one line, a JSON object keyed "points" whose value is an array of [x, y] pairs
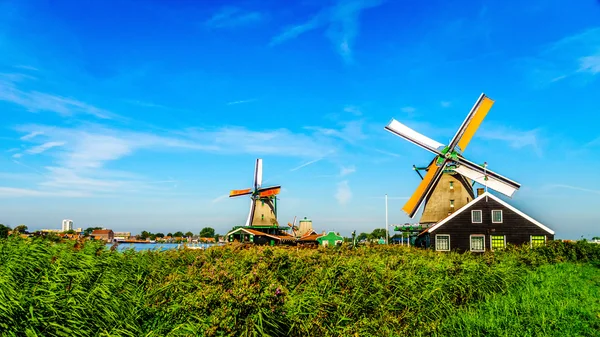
{"points": [[69, 289], [555, 300]]}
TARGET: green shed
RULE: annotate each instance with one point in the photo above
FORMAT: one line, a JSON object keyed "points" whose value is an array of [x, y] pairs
{"points": [[331, 239]]}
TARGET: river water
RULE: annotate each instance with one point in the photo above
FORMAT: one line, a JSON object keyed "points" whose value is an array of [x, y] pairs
{"points": [[154, 246]]}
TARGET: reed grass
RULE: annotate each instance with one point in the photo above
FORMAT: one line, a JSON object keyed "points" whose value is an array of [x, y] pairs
{"points": [[74, 289]]}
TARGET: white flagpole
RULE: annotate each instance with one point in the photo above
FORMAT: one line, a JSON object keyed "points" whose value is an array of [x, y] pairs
{"points": [[386, 222]]}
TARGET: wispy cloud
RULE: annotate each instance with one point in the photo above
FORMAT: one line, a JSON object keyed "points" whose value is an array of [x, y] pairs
{"points": [[570, 187], [341, 20], [35, 101], [408, 109], [26, 67], [220, 198], [31, 135], [343, 194], [306, 164], [353, 110], [80, 163], [445, 104], [351, 131], [229, 17], [344, 171], [515, 138], [241, 102], [40, 148], [576, 55], [10, 192]]}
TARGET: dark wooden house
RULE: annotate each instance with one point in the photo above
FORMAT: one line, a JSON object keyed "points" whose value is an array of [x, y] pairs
{"points": [[485, 223]]}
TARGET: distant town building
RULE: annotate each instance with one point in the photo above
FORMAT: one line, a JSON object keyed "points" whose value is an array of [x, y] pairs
{"points": [[103, 234], [122, 236], [67, 225]]}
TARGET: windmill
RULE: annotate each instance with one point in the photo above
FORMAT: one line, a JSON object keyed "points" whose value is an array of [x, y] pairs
{"points": [[263, 202], [293, 227], [450, 158]]}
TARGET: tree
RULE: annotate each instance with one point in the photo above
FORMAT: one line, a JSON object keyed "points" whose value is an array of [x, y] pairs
{"points": [[362, 236], [178, 234], [207, 232], [144, 235], [170, 234], [217, 236], [70, 231], [189, 234], [378, 233], [20, 229], [160, 235], [4, 231], [88, 231]]}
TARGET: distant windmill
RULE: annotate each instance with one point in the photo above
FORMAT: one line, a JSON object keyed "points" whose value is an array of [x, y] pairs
{"points": [[293, 227], [449, 158], [263, 202]]}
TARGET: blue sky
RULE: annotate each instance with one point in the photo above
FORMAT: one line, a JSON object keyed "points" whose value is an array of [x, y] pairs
{"points": [[143, 115]]}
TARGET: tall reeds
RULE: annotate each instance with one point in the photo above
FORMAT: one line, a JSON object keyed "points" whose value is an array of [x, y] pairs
{"points": [[69, 289]]}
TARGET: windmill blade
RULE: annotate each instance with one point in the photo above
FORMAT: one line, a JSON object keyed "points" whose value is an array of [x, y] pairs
{"points": [[425, 188], [237, 193], [251, 213], [465, 133], [494, 180], [413, 136], [269, 191], [258, 174]]}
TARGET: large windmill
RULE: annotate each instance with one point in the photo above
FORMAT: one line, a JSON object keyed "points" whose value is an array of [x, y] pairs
{"points": [[449, 159], [263, 201]]}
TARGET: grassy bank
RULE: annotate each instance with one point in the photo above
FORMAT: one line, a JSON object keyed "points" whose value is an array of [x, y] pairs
{"points": [[556, 300], [71, 290]]}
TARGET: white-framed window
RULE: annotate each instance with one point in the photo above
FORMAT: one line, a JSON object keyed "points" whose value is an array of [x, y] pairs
{"points": [[442, 242], [452, 185], [497, 216], [537, 240], [498, 242], [476, 216], [477, 243], [451, 203]]}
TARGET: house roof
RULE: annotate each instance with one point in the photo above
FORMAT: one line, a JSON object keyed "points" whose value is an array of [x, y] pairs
{"points": [[500, 201], [311, 237], [102, 231]]}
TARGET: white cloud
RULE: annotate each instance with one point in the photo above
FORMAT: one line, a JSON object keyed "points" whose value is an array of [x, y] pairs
{"points": [[85, 151], [353, 110], [445, 104], [577, 54], [9, 192], [590, 64], [515, 138], [306, 164], [31, 135], [241, 102], [219, 198], [347, 170], [341, 20], [350, 131], [35, 101], [229, 17], [408, 109], [343, 194], [42, 148], [570, 187]]}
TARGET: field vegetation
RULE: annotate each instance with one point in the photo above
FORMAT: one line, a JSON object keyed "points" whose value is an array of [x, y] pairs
{"points": [[75, 289]]}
